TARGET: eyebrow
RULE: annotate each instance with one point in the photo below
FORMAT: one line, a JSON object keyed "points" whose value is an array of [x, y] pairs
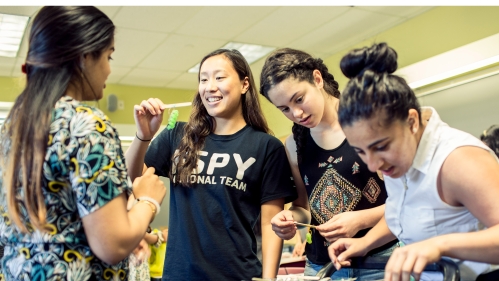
{"points": [[376, 142], [214, 72], [292, 97]]}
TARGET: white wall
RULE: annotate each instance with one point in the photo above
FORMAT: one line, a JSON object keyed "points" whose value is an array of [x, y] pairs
{"points": [[471, 107]]}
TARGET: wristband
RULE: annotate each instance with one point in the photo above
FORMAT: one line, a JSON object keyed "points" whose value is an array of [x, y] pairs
{"points": [[150, 200], [153, 208], [140, 138], [161, 239]]}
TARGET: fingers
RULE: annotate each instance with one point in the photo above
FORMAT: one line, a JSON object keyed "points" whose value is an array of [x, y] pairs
{"points": [[418, 268], [285, 233], [149, 184], [337, 250], [328, 226], [402, 264], [283, 225], [139, 109], [153, 105], [149, 171], [332, 236], [393, 267]]}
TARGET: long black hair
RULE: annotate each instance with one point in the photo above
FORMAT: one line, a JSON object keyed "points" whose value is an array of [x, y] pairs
{"points": [[290, 63], [373, 88], [58, 40]]}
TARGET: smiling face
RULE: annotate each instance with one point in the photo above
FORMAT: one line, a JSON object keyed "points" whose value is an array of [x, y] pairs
{"points": [[220, 87], [300, 101], [96, 71], [390, 148]]}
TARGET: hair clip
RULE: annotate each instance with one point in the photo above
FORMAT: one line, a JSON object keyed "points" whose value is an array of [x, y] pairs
{"points": [[172, 120], [23, 68]]}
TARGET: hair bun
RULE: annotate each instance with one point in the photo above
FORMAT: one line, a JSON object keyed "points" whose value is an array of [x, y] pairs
{"points": [[379, 58]]}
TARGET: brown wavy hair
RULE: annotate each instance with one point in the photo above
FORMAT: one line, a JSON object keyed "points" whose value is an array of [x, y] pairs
{"points": [[290, 63], [58, 39], [201, 124]]}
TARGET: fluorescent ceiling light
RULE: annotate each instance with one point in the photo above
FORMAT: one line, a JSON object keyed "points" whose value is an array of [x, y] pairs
{"points": [[250, 52], [454, 72], [11, 33], [467, 58]]}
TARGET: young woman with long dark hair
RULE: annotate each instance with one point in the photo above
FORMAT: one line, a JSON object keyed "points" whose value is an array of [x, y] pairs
{"points": [[225, 171], [64, 181]]}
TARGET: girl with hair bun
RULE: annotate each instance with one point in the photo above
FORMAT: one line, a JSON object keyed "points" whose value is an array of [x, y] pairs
{"points": [[442, 183], [491, 138], [337, 192]]}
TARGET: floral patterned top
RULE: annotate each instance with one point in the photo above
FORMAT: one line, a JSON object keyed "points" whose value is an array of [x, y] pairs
{"points": [[84, 169]]}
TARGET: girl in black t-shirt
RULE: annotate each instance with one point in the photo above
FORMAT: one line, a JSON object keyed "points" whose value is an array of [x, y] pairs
{"points": [[225, 170], [337, 192]]}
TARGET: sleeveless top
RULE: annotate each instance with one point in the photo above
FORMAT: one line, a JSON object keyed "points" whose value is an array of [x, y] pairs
{"points": [[414, 210], [337, 181]]}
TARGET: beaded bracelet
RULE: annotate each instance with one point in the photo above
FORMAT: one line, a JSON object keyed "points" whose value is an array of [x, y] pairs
{"points": [[150, 200]]}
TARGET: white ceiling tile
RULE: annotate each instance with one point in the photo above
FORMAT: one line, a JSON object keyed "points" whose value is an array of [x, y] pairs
{"points": [[132, 46], [161, 19], [110, 11], [348, 29], [399, 11], [19, 10], [148, 77], [287, 24], [179, 53], [117, 73], [219, 22], [188, 81]]}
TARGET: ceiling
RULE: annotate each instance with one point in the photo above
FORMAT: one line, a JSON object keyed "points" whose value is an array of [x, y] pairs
{"points": [[155, 46]]}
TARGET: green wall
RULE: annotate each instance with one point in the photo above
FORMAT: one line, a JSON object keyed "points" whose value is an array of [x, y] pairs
{"points": [[439, 30], [132, 95], [10, 88]]}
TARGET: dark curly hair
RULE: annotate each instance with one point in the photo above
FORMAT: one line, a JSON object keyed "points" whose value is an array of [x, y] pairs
{"points": [[491, 138], [290, 63], [373, 88]]}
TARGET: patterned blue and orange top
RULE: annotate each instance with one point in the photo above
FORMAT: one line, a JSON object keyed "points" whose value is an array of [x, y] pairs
{"points": [[84, 169]]}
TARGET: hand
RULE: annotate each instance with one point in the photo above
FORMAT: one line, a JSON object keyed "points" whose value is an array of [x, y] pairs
{"points": [[148, 117], [299, 248], [283, 225], [344, 225], [149, 185], [342, 250], [411, 259], [165, 234], [141, 252]]}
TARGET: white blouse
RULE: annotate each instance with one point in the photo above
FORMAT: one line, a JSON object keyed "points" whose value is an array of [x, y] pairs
{"points": [[414, 210]]}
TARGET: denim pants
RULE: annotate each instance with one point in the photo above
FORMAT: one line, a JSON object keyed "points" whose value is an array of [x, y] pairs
{"points": [[311, 269]]}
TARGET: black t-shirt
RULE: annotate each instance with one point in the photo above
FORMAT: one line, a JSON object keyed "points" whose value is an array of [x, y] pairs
{"points": [[210, 235], [337, 181]]}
